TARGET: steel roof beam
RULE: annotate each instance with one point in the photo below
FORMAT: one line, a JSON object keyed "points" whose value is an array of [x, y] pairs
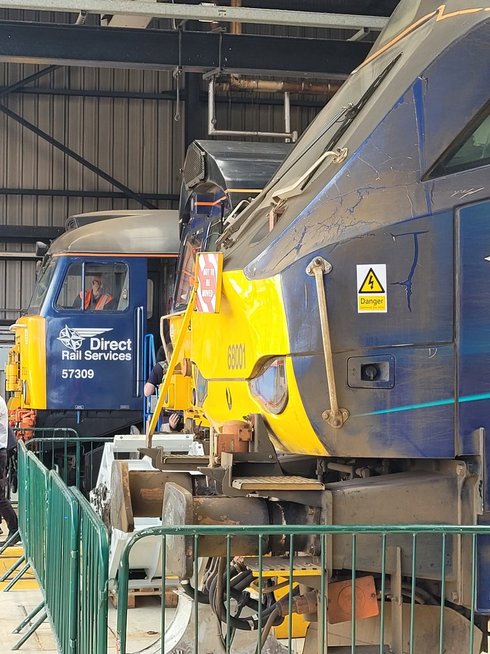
{"points": [[203, 12], [78, 193], [77, 157], [200, 52], [28, 233]]}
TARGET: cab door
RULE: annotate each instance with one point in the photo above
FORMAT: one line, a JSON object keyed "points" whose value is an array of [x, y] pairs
{"points": [[94, 335]]}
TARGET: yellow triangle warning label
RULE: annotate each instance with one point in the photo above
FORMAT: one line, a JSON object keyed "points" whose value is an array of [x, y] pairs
{"points": [[371, 284]]}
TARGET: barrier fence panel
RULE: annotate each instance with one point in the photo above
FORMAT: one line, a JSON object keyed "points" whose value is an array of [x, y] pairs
{"points": [[46, 432], [94, 565], [67, 545], [67, 453], [62, 564], [33, 503], [396, 589], [37, 495], [23, 494]]}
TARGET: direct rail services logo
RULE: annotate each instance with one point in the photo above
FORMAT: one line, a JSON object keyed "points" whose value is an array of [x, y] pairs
{"points": [[97, 347]]}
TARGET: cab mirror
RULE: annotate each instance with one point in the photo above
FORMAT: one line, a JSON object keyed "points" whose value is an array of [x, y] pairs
{"points": [[41, 249]]}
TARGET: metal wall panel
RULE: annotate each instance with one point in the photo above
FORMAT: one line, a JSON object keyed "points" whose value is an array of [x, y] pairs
{"points": [[136, 141]]}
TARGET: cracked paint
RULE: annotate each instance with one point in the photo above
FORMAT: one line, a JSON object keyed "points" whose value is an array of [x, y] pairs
{"points": [[408, 282], [375, 170]]}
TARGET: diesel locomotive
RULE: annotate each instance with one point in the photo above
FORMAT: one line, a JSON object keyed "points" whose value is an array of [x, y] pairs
{"points": [[343, 357], [67, 354]]}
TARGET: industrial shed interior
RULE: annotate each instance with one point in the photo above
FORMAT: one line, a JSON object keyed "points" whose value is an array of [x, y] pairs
{"points": [[84, 128], [244, 327]]}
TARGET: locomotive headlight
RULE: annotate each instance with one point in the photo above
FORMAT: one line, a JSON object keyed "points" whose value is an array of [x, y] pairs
{"points": [[200, 387], [270, 386]]}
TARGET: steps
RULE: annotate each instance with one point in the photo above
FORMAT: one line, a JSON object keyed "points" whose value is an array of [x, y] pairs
{"points": [[280, 483]]}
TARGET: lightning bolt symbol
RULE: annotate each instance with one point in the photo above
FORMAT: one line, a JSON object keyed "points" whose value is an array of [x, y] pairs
{"points": [[371, 282]]}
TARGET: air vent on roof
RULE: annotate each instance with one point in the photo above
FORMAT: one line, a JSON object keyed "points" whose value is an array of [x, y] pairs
{"points": [[194, 166]]}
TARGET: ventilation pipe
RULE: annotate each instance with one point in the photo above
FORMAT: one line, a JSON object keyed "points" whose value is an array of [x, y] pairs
{"points": [[287, 135], [237, 83]]}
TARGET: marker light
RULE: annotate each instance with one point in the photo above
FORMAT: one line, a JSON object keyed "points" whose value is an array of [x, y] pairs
{"points": [[270, 386]]}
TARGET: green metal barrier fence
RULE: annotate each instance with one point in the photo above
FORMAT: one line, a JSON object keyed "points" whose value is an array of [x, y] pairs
{"points": [[65, 451], [66, 544], [33, 501], [397, 589], [36, 519], [49, 432], [94, 564], [220, 586], [22, 492], [62, 563]]}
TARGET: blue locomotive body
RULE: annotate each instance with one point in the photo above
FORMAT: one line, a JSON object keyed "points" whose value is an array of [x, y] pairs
{"points": [[388, 190]]}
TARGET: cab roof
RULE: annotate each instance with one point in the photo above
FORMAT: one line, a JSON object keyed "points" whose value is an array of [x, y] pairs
{"points": [[144, 232]]}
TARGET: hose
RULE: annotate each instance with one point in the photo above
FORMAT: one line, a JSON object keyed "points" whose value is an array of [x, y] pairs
{"points": [[238, 583], [202, 598], [215, 595], [421, 595], [271, 622]]}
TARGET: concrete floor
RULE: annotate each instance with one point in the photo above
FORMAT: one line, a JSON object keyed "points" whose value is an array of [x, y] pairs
{"points": [[143, 620], [143, 629]]}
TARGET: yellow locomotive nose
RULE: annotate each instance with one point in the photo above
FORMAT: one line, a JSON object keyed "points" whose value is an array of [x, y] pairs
{"points": [[248, 369], [26, 368]]}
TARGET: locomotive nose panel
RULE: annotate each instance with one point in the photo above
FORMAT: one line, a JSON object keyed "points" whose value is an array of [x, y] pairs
{"points": [[394, 365]]}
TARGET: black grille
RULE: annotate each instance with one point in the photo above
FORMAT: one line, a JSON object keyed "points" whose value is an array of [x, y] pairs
{"points": [[194, 166]]}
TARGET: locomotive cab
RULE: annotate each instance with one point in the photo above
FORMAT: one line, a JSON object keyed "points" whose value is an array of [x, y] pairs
{"points": [[101, 288], [219, 179]]}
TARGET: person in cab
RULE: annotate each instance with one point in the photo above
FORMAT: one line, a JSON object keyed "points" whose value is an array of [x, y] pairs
{"points": [[96, 298]]}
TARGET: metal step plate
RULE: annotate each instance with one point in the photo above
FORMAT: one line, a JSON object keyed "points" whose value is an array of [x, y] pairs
{"points": [[277, 483], [279, 565]]}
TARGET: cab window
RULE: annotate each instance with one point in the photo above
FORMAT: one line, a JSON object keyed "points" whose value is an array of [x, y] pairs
{"points": [[470, 150], [42, 286], [150, 289], [95, 287], [187, 270]]}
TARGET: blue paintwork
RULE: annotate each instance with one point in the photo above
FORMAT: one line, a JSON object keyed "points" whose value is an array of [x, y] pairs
{"points": [[473, 335], [377, 209], [116, 375], [417, 331], [382, 206]]}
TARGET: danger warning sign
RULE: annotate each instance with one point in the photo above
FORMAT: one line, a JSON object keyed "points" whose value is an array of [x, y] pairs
{"points": [[209, 271], [371, 288]]}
